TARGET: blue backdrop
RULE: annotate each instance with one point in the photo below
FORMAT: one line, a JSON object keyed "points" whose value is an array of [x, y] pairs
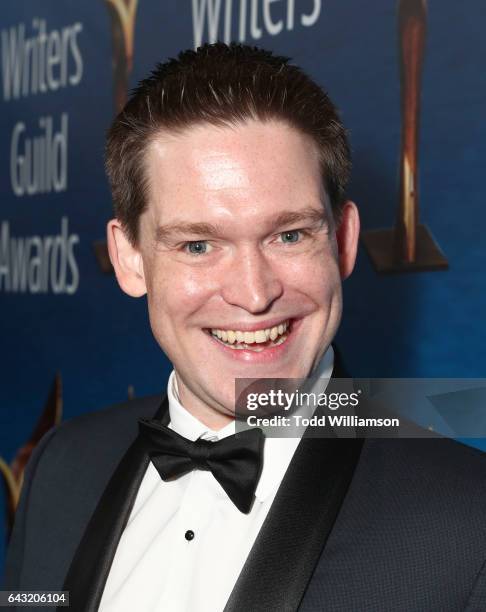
{"points": [[68, 316]]}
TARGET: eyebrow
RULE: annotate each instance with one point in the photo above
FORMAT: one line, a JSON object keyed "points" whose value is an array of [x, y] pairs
{"points": [[210, 230], [166, 231]]}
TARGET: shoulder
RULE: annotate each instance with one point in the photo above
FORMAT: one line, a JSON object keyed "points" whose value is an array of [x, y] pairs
{"points": [[115, 415], [93, 441], [117, 424], [432, 456], [83, 452], [65, 477], [435, 475], [427, 495]]}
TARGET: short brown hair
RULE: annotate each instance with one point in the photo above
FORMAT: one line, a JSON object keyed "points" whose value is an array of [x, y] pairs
{"points": [[221, 85]]}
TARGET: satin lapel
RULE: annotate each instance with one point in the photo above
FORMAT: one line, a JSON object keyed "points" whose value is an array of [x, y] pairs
{"points": [[292, 538], [280, 565], [91, 564]]}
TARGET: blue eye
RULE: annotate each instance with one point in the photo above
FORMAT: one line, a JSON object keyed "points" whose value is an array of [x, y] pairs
{"points": [[198, 247], [292, 236]]}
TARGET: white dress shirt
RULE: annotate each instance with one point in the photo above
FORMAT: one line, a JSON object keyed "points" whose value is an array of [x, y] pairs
{"points": [[157, 566]]}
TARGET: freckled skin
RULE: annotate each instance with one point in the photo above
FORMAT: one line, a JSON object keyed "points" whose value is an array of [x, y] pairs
{"points": [[237, 178]]}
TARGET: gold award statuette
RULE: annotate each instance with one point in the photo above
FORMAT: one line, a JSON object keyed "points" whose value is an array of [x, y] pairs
{"points": [[122, 15], [13, 474], [408, 246]]}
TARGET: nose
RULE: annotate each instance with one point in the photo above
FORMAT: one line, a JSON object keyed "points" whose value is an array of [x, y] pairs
{"points": [[252, 283]]}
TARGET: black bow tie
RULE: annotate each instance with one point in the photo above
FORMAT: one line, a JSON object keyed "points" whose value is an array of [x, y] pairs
{"points": [[236, 461]]}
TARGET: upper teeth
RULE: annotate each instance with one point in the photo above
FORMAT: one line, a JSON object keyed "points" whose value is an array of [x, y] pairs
{"points": [[259, 336]]}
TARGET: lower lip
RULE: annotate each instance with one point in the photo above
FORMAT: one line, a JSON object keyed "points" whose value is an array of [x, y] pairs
{"points": [[268, 355]]}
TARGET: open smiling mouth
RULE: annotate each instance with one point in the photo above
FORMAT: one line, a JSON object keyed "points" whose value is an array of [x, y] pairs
{"points": [[256, 341]]}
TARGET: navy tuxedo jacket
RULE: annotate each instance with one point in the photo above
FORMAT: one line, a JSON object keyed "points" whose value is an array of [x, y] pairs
{"points": [[375, 525]]}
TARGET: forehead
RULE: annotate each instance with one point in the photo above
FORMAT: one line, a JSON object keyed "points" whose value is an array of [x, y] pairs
{"points": [[240, 172]]}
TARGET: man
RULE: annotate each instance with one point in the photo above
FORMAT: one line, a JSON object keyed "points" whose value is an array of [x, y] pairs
{"points": [[228, 169]]}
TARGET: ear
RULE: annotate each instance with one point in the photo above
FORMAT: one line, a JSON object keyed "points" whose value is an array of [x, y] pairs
{"points": [[347, 235], [126, 260]]}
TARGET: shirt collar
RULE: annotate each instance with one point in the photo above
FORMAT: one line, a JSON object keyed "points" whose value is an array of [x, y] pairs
{"points": [[186, 425], [277, 452]]}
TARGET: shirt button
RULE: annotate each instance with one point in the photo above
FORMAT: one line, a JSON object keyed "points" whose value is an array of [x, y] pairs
{"points": [[189, 535]]}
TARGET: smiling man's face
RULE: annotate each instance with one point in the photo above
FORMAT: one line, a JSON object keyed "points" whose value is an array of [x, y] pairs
{"points": [[239, 256]]}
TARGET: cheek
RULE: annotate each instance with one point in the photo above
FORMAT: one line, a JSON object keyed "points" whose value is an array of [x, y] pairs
{"points": [[174, 294], [316, 277]]}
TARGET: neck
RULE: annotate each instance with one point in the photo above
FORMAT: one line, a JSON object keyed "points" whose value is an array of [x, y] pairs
{"points": [[208, 416]]}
